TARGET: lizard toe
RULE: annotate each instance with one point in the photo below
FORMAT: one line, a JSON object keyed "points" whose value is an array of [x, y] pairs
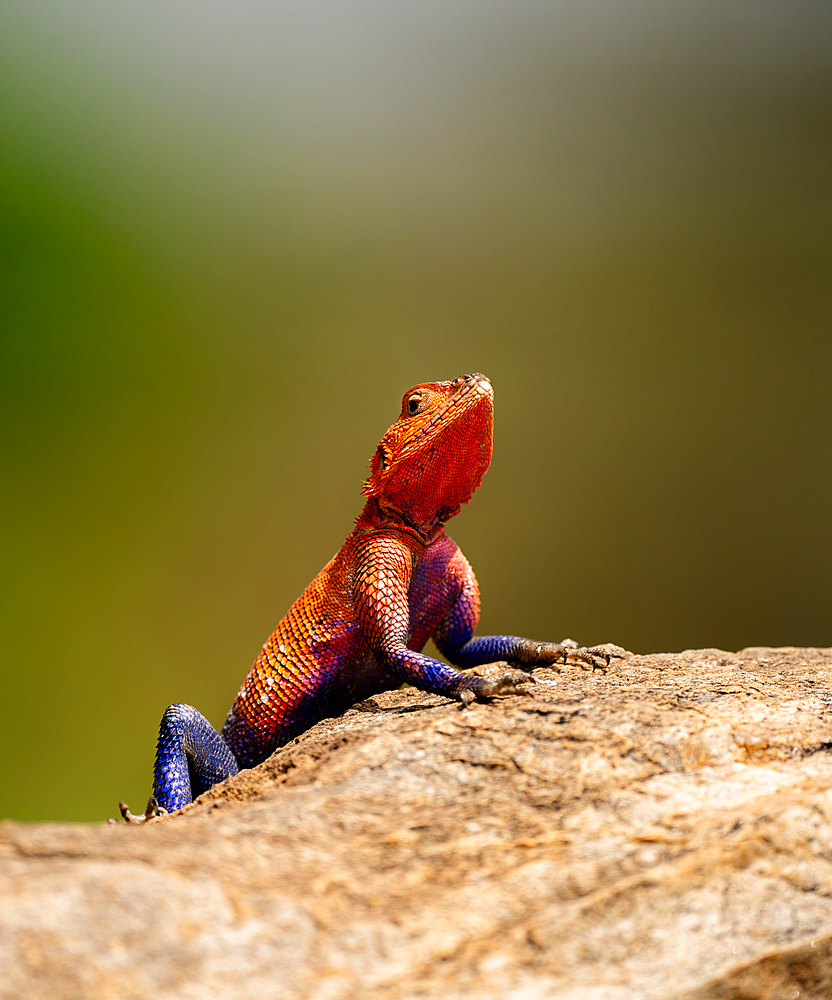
{"points": [[152, 810], [489, 687]]}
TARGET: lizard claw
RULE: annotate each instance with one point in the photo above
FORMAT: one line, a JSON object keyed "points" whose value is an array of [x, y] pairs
{"points": [[488, 687], [588, 655], [546, 654], [153, 809]]}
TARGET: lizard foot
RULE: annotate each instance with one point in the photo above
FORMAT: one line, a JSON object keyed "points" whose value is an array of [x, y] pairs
{"points": [[547, 654], [588, 656], [488, 687], [153, 809]]}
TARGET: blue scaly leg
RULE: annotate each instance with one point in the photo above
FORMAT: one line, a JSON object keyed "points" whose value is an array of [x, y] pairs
{"points": [[191, 756]]}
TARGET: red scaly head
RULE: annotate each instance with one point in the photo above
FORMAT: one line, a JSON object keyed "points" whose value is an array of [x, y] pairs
{"points": [[434, 456]]}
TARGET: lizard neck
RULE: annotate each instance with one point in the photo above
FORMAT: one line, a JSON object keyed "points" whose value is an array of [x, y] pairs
{"points": [[421, 525]]}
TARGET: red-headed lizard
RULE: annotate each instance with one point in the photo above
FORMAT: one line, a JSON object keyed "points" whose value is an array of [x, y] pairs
{"points": [[361, 624]]}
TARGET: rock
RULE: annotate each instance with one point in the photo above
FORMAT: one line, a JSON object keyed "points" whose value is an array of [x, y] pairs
{"points": [[660, 831]]}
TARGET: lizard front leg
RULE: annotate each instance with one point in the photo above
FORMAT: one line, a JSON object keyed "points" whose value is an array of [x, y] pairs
{"points": [[383, 571], [523, 653], [455, 639]]}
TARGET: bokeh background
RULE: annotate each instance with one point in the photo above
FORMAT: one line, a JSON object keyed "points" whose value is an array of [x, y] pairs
{"points": [[235, 233]]}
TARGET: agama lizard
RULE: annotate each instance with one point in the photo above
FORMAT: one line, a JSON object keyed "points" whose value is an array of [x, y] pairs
{"points": [[359, 627]]}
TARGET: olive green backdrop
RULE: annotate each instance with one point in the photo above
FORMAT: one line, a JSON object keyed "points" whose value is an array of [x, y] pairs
{"points": [[235, 233]]}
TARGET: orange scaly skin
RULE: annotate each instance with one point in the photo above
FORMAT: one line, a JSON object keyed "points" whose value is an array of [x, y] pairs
{"points": [[361, 624], [355, 614]]}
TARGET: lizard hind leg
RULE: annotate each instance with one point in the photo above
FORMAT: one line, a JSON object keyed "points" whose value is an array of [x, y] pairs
{"points": [[191, 756]]}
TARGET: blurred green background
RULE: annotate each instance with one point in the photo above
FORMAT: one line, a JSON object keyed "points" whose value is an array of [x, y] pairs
{"points": [[235, 233]]}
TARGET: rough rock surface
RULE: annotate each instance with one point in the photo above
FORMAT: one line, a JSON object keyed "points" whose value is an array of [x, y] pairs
{"points": [[661, 831]]}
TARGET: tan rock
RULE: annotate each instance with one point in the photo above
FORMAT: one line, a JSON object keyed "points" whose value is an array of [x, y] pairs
{"points": [[662, 831]]}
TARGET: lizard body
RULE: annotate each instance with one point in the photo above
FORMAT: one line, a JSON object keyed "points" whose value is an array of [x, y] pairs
{"points": [[359, 627]]}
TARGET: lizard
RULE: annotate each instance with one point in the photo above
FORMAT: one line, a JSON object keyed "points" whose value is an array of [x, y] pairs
{"points": [[359, 628]]}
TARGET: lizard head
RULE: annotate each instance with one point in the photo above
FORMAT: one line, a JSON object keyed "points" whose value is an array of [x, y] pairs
{"points": [[434, 456]]}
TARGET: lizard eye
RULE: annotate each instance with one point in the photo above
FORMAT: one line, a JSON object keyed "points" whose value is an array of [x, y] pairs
{"points": [[416, 403]]}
